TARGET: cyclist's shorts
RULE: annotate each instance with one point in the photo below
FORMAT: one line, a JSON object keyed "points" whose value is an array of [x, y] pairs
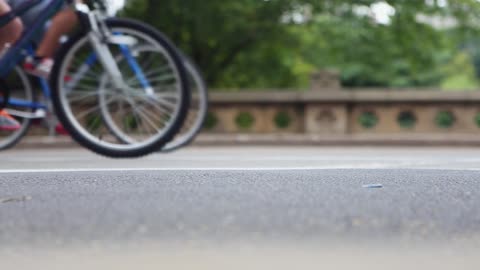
{"points": [[29, 17]]}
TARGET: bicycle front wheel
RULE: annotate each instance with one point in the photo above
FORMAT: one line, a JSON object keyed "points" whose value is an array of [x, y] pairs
{"points": [[196, 112], [151, 106]]}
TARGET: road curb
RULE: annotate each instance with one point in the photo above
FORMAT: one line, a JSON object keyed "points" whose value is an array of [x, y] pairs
{"points": [[46, 142], [341, 140], [288, 139]]}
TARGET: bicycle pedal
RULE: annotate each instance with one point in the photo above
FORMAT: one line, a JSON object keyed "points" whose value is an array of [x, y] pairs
{"points": [[29, 115]]}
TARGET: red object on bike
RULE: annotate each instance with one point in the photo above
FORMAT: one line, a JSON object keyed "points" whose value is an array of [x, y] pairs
{"points": [[61, 130]]}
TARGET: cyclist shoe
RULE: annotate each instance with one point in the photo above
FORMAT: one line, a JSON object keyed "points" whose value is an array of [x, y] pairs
{"points": [[38, 66], [7, 122]]}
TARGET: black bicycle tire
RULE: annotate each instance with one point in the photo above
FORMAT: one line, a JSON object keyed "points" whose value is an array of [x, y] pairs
{"points": [[124, 153]]}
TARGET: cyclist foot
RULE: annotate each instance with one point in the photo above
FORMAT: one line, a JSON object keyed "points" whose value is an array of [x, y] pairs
{"points": [[38, 66], [7, 122]]}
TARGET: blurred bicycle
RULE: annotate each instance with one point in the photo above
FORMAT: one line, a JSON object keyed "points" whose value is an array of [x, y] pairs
{"points": [[99, 83]]}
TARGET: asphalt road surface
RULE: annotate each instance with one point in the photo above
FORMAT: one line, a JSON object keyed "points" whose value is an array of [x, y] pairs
{"points": [[242, 208]]}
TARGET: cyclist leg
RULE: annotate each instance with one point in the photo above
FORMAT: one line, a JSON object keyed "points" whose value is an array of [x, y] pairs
{"points": [[12, 31], [63, 23], [41, 64]]}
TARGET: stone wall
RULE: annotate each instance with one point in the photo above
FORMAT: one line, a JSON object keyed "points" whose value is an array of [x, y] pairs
{"points": [[328, 109]]}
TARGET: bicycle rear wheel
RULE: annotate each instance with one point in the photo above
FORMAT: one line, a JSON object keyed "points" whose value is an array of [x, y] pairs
{"points": [[197, 111], [83, 94], [20, 97]]}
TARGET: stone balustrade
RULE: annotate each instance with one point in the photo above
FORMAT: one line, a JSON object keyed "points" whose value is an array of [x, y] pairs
{"points": [[328, 109]]}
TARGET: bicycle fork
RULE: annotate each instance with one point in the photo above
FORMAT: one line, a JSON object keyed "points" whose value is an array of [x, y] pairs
{"points": [[99, 37]]}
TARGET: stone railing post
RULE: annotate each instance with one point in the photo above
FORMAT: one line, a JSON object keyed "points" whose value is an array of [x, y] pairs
{"points": [[325, 80], [326, 117]]}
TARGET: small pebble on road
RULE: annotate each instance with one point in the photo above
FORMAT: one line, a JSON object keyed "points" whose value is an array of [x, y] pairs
{"points": [[373, 186], [15, 199]]}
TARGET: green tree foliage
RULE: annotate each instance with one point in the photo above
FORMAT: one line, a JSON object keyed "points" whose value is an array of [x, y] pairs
{"points": [[278, 43], [237, 43], [460, 74]]}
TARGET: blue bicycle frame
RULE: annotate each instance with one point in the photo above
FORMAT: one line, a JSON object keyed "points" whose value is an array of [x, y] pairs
{"points": [[29, 104]]}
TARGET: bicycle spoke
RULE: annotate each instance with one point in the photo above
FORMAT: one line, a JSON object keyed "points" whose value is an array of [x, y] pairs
{"points": [[151, 73], [164, 109], [142, 125], [91, 110], [82, 96], [154, 116], [147, 119]]}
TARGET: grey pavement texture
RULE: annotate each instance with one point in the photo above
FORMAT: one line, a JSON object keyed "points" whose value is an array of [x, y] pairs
{"points": [[251, 157], [201, 205], [243, 208]]}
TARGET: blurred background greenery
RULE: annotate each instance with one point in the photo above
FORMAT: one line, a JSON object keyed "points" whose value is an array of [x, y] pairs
{"points": [[279, 43]]}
